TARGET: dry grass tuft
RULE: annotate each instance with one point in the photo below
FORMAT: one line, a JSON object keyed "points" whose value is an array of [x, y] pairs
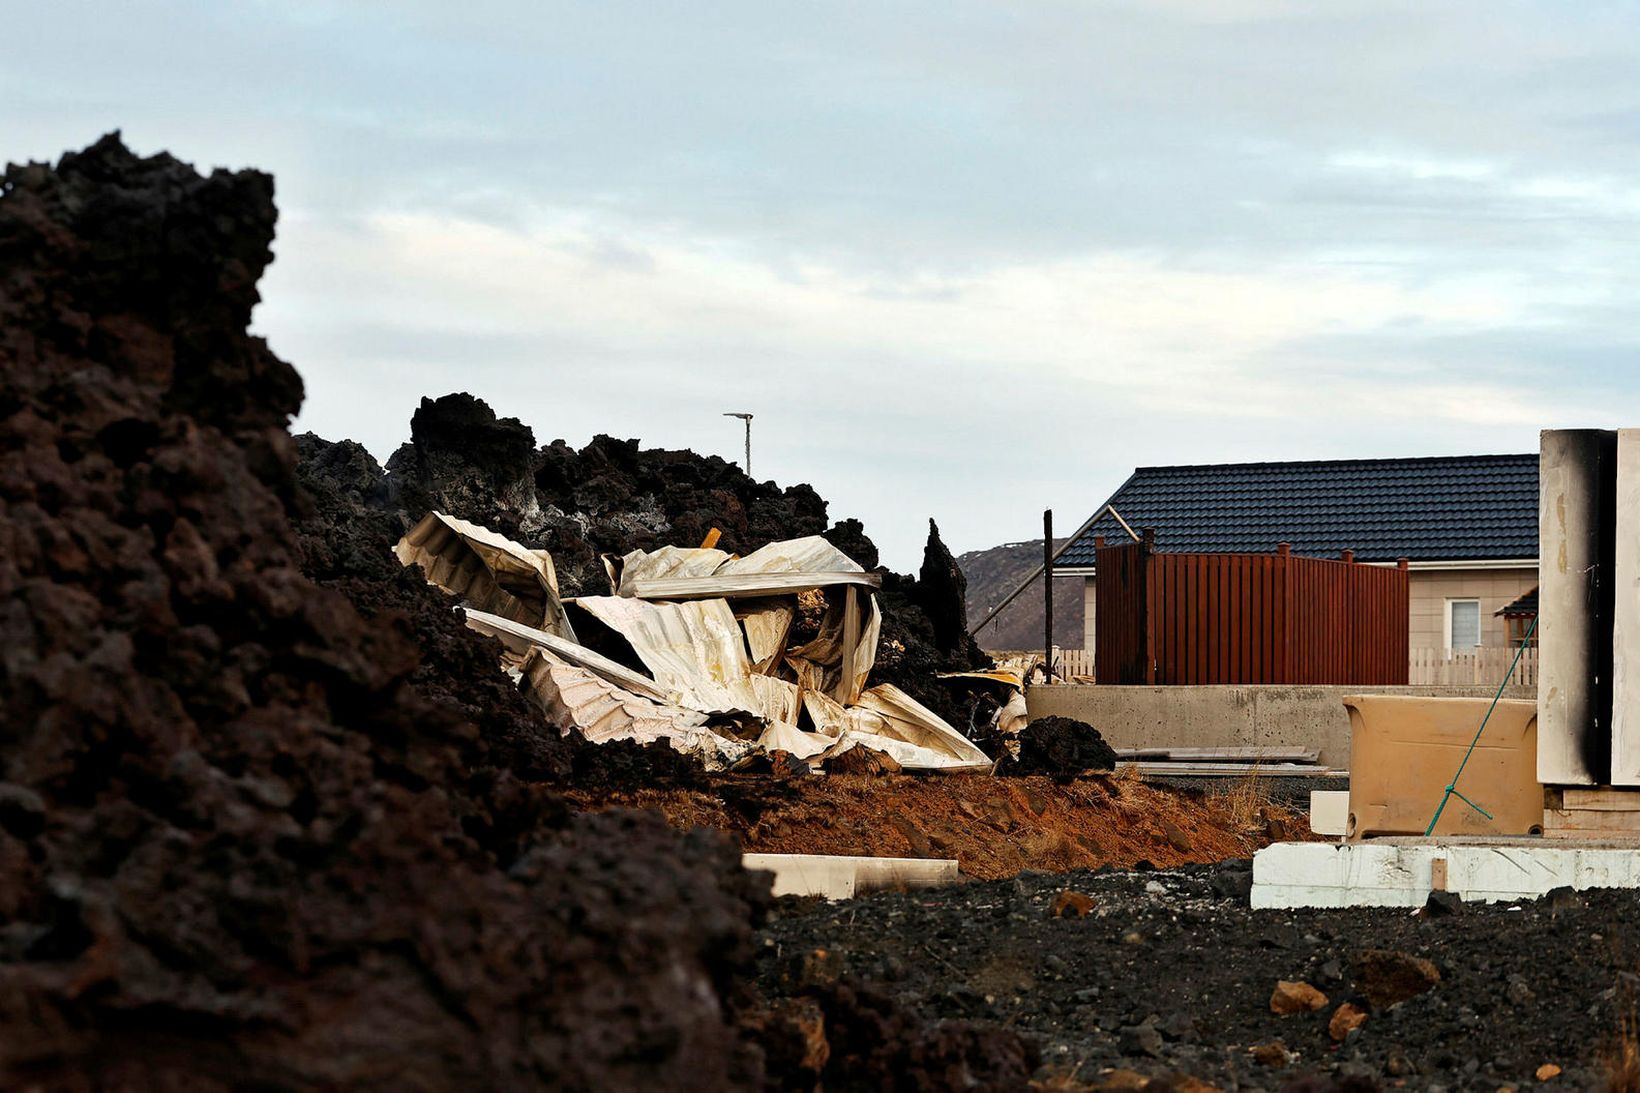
{"points": [[1248, 801]]}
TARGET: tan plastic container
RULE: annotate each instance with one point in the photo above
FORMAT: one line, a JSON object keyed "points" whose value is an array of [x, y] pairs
{"points": [[1404, 751]]}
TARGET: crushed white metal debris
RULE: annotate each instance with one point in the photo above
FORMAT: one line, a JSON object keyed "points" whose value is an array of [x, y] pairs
{"points": [[695, 648]]}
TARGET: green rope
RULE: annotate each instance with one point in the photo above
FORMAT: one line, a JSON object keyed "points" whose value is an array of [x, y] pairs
{"points": [[1452, 786]]}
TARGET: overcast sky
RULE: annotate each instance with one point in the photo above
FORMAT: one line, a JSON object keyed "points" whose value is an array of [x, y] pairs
{"points": [[962, 260]]}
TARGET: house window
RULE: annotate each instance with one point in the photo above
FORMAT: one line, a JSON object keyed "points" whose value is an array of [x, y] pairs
{"points": [[1463, 624]]}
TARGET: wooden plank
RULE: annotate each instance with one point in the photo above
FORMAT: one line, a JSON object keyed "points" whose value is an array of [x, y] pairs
{"points": [[1577, 821], [1601, 799], [1437, 874]]}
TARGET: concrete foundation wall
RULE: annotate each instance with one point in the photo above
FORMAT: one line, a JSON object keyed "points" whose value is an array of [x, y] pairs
{"points": [[1244, 717]]}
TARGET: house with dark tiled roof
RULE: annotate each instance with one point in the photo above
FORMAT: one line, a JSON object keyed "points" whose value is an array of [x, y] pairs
{"points": [[1467, 525]]}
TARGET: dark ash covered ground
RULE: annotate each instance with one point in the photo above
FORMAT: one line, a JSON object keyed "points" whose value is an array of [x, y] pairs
{"points": [[1171, 975]]}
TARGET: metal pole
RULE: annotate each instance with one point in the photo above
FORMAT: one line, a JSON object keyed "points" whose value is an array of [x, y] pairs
{"points": [[1047, 591], [747, 418]]}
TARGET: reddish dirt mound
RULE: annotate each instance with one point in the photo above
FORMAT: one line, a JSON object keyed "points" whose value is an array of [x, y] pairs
{"points": [[240, 843], [994, 827]]}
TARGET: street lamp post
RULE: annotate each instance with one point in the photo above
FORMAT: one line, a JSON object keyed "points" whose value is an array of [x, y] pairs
{"points": [[747, 418]]}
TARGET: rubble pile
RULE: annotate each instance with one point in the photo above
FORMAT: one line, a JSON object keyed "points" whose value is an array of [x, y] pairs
{"points": [[696, 647], [245, 839], [612, 498]]}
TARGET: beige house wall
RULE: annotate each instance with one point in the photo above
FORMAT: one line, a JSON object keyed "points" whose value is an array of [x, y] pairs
{"points": [[1090, 605], [1428, 591]]}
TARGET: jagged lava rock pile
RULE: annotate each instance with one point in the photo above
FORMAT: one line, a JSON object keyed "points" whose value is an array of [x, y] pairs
{"points": [[269, 817], [239, 842]]}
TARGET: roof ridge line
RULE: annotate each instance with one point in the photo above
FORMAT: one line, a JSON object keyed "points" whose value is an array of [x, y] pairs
{"points": [[1495, 457]]}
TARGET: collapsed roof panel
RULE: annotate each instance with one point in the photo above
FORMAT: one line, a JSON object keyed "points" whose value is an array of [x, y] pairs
{"points": [[809, 554], [488, 571], [747, 584], [669, 561], [520, 640], [768, 625], [784, 567], [572, 695], [718, 679], [916, 740]]}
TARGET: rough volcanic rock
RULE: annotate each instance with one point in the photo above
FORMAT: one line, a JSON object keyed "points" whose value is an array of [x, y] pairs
{"points": [[463, 459], [942, 593], [345, 532], [1059, 745], [245, 838]]}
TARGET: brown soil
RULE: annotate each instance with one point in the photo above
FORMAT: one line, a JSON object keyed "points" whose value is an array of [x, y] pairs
{"points": [[994, 827]]}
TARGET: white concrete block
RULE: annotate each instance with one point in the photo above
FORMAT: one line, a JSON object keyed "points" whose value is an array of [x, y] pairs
{"points": [[1398, 872], [836, 876], [1329, 811]]}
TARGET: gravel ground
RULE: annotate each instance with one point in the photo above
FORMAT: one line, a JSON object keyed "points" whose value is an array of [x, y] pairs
{"points": [[1170, 974]]}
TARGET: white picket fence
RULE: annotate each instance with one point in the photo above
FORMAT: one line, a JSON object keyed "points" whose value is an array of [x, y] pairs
{"points": [[1425, 668], [1071, 663], [1068, 664], [1480, 668]]}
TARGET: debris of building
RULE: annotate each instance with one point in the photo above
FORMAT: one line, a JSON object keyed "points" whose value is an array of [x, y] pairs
{"points": [[694, 646]]}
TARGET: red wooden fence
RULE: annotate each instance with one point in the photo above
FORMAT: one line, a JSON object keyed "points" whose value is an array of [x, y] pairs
{"points": [[1247, 618]]}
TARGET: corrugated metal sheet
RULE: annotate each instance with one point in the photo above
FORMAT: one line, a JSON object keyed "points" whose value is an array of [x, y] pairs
{"points": [[668, 561], [718, 671], [571, 695], [743, 584], [488, 571], [696, 654], [791, 565], [818, 663], [767, 623], [520, 639], [891, 721], [809, 554]]}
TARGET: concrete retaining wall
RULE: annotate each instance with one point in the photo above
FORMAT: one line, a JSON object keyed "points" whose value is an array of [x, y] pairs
{"points": [[1274, 716]]}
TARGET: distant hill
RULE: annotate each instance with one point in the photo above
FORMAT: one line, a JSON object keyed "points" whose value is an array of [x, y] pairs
{"points": [[994, 573]]}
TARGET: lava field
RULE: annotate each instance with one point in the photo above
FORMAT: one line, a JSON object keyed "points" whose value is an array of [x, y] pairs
{"points": [[272, 818]]}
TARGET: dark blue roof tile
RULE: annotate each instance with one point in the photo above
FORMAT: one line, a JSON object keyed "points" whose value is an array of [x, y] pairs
{"points": [[1448, 508]]}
